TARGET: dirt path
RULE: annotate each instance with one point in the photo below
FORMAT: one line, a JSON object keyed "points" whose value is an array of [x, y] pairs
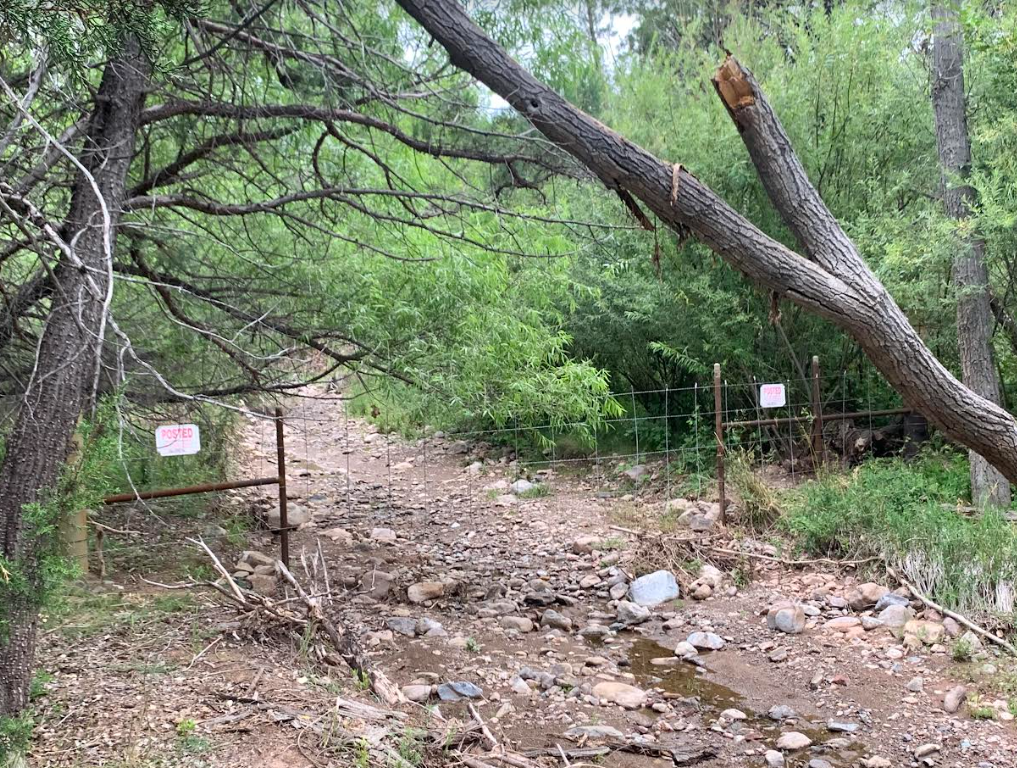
{"points": [[452, 577]]}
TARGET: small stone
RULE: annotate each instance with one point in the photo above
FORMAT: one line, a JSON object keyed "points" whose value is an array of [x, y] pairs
{"points": [[733, 714], [778, 655], [627, 696], [459, 690], [578, 732], [875, 761], [843, 623], [521, 486], [685, 649], [915, 684], [495, 608], [631, 613], [786, 617], [417, 693], [954, 698], [925, 750], [654, 588], [519, 686], [383, 535], [837, 727], [706, 641], [407, 627], [585, 544], [424, 591], [590, 581], [793, 741], [896, 615], [870, 623], [774, 759], [818, 762], [780, 712], [702, 592], [555, 620], [338, 535], [519, 623], [430, 628]]}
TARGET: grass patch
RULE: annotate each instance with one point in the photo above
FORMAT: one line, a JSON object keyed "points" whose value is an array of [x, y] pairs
{"points": [[537, 491], [907, 514]]}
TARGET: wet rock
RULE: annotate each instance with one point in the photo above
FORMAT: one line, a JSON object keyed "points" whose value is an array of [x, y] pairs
{"points": [[622, 694], [707, 641], [654, 588], [896, 615], [519, 623], [792, 741], [459, 690], [423, 591], [954, 698], [786, 617], [554, 620], [630, 614], [578, 732]]}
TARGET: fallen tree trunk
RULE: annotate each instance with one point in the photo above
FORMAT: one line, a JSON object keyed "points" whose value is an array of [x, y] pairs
{"points": [[831, 280]]}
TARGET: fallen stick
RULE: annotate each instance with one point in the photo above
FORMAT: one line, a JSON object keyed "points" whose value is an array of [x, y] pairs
{"points": [[489, 740], [953, 614]]}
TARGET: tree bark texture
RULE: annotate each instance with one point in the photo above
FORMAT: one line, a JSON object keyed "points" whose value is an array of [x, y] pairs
{"points": [[831, 279], [66, 363], [970, 272]]}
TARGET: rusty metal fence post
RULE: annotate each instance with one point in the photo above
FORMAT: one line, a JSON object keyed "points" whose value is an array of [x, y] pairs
{"points": [[817, 415], [284, 523], [720, 441]]}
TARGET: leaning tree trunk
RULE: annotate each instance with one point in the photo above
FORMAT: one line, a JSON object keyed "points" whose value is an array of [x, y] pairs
{"points": [[66, 364], [970, 273], [833, 281]]}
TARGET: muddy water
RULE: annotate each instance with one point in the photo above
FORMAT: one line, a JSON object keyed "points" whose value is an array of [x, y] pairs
{"points": [[687, 681]]}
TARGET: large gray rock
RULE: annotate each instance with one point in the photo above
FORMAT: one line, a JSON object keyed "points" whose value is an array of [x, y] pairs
{"points": [[459, 690], [521, 486], [631, 613], [896, 615], [555, 620], [890, 598], [654, 588], [404, 626]]}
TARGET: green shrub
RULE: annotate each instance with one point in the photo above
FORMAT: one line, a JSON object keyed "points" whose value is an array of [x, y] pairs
{"points": [[908, 514]]}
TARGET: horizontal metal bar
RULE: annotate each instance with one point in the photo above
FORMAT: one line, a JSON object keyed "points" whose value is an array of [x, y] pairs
{"points": [[204, 488], [826, 417]]}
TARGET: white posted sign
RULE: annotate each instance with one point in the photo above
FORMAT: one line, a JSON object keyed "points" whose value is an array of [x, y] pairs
{"points": [[177, 439], [772, 396]]}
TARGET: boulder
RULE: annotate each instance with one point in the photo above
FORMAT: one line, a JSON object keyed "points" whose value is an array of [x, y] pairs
{"points": [[417, 693], [383, 535], [896, 615], [773, 759], [654, 588], [518, 623], [521, 486], [403, 626], [929, 632]]}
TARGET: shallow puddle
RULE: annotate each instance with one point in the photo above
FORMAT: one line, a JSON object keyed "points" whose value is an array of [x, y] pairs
{"points": [[686, 680]]}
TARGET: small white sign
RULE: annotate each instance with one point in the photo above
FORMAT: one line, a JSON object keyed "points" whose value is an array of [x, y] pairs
{"points": [[772, 396], [177, 439]]}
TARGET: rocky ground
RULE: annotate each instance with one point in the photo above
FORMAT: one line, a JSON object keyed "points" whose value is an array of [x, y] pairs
{"points": [[552, 602]]}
